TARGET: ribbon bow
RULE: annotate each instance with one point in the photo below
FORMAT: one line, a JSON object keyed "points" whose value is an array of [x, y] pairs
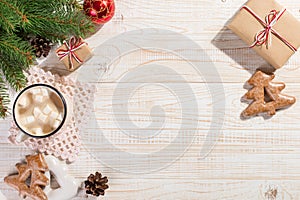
{"points": [[71, 47], [264, 36]]}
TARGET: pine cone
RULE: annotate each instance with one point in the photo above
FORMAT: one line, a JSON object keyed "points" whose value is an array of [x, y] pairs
{"points": [[96, 184], [42, 46]]}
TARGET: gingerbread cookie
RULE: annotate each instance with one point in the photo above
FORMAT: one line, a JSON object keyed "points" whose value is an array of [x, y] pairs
{"points": [[266, 96], [34, 169]]}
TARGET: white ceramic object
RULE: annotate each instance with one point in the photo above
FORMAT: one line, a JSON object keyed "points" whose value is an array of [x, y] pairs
{"points": [[2, 197], [68, 184]]}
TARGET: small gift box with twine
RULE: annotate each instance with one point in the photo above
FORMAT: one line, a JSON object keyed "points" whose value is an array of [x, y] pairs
{"points": [[74, 53], [269, 29]]}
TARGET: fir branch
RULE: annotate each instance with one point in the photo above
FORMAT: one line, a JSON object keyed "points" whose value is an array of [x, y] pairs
{"points": [[11, 14], [16, 50], [59, 20], [78, 4], [13, 74], [4, 98]]}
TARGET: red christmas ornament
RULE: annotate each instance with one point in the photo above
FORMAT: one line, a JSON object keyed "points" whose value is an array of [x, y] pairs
{"points": [[100, 11]]}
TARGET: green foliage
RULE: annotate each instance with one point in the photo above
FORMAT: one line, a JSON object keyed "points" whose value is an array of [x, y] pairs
{"points": [[11, 15], [60, 16], [56, 20], [14, 75], [15, 49], [4, 98]]}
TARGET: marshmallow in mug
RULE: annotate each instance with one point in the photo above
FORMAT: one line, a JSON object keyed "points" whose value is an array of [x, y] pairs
{"points": [[39, 110]]}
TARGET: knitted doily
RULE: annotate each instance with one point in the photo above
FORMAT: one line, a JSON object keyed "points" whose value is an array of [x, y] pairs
{"points": [[66, 143]]}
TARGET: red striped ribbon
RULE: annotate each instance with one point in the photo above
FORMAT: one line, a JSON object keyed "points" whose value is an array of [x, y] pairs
{"points": [[264, 36], [71, 47]]}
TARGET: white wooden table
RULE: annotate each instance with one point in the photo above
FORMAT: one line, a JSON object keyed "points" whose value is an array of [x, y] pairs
{"points": [[250, 155]]}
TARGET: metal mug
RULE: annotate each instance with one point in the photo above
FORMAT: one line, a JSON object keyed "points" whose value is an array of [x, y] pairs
{"points": [[26, 133]]}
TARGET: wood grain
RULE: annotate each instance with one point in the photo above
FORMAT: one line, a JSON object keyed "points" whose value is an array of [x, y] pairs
{"points": [[250, 155]]}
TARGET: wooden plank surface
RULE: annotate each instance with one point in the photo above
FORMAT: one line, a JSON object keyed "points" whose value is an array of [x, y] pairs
{"points": [[249, 158]]}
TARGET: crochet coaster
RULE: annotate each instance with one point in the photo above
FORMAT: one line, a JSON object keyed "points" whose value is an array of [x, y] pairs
{"points": [[66, 143]]}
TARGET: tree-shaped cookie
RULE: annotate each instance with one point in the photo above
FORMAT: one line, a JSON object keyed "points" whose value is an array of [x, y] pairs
{"points": [[34, 171], [266, 95]]}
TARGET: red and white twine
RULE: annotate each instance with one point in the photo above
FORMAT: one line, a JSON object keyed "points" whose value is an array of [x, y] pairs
{"points": [[71, 47], [264, 36]]}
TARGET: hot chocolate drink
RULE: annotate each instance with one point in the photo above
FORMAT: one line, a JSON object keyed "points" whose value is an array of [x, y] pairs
{"points": [[39, 110]]}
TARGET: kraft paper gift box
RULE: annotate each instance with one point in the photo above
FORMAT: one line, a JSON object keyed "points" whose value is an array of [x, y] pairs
{"points": [[74, 53], [283, 32]]}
